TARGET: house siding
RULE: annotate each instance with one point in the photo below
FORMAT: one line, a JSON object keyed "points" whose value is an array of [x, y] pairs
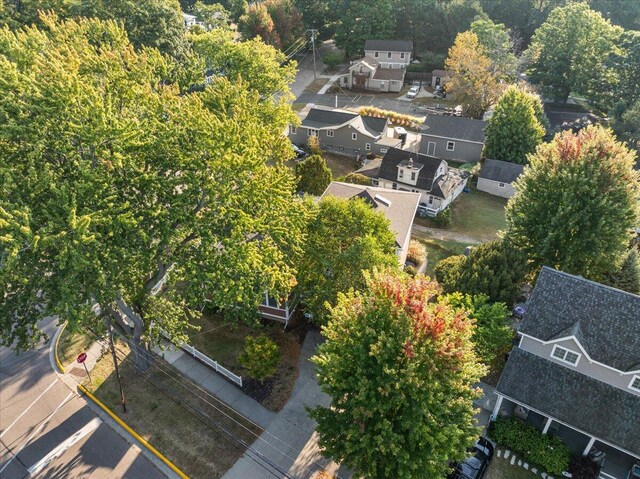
{"points": [[463, 152], [491, 187], [394, 62], [341, 142], [614, 378]]}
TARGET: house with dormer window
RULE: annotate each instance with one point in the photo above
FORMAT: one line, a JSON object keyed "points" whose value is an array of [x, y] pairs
{"points": [[576, 370], [403, 170]]}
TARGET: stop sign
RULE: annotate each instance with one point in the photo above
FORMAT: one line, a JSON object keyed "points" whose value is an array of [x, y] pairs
{"points": [[81, 357]]}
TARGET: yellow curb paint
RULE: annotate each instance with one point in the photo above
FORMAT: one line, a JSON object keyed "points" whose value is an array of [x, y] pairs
{"points": [[55, 349], [133, 433]]}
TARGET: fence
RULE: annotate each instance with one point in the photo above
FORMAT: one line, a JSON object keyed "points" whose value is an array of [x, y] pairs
{"points": [[207, 361]]}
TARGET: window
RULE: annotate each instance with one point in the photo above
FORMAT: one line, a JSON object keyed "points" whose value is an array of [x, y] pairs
{"points": [[375, 182], [367, 146], [354, 136], [293, 130], [500, 185], [400, 173], [414, 190], [402, 55], [383, 150], [413, 176], [451, 145], [635, 383], [565, 355], [430, 200], [375, 54], [394, 186], [388, 54], [330, 133], [272, 302], [312, 132]]}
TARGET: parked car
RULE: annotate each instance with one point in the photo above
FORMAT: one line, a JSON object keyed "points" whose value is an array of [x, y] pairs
{"points": [[300, 153], [635, 471], [475, 466], [413, 92]]}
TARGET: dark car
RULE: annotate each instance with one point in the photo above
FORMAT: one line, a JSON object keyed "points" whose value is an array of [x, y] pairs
{"points": [[299, 152], [475, 466]]}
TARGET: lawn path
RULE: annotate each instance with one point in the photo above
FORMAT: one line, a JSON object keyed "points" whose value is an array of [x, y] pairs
{"points": [[444, 235]]}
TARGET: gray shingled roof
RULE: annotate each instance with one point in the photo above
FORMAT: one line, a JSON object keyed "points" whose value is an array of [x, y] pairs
{"points": [[375, 124], [400, 212], [389, 45], [389, 74], [454, 127], [605, 320], [394, 156], [502, 171], [371, 169], [321, 117], [604, 411]]}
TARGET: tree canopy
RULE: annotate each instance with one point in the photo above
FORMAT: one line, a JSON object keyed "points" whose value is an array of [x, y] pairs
{"points": [[497, 46], [345, 238], [514, 131], [399, 367], [121, 190], [313, 175], [575, 203], [360, 21]]}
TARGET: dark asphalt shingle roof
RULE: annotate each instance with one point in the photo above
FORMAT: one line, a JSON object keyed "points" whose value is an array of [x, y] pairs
{"points": [[605, 320], [322, 116], [394, 156], [375, 124], [389, 74], [604, 411], [389, 45], [454, 127], [502, 171]]}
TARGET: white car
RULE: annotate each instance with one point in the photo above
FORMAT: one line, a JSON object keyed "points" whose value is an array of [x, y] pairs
{"points": [[413, 92]]}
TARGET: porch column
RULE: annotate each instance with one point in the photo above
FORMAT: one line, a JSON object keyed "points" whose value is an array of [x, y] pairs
{"points": [[496, 408], [589, 446], [546, 425]]}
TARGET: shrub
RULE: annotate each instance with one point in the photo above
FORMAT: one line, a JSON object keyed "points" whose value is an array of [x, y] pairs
{"points": [[443, 218], [581, 467], [410, 270], [332, 60], [313, 175], [447, 272], [548, 452], [395, 118], [260, 357], [357, 179], [313, 145], [417, 252]]}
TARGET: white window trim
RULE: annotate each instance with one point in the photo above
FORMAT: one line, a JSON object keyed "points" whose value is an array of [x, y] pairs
{"points": [[312, 132], [500, 185], [389, 55], [631, 384], [330, 133], [375, 54], [354, 136], [402, 55], [367, 146], [400, 173], [555, 347], [293, 130], [413, 176], [383, 150], [453, 145]]}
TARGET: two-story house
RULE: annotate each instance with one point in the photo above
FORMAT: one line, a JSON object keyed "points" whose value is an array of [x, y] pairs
{"points": [[576, 370], [404, 170], [399, 207], [452, 138], [345, 132], [382, 68]]}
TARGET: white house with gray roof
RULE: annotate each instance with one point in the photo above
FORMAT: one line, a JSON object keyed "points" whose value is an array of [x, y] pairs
{"points": [[496, 177], [399, 207], [576, 370], [391, 54], [452, 138]]}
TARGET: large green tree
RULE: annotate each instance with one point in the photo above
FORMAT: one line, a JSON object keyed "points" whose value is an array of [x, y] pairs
{"points": [[575, 203], [399, 367], [569, 53], [313, 175], [497, 45], [360, 21], [513, 131], [627, 276], [119, 189], [345, 238]]}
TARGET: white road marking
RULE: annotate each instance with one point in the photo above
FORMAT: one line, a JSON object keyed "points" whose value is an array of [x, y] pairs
{"points": [[64, 445], [29, 407], [37, 431]]}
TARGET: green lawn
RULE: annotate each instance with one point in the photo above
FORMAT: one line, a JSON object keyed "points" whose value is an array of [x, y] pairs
{"points": [[476, 214], [71, 344], [501, 469], [438, 250], [340, 165]]}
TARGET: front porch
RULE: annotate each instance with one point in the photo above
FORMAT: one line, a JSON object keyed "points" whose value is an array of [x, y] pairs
{"points": [[615, 462]]}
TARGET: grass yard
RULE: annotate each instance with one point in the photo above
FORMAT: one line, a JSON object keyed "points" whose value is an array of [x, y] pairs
{"points": [[71, 344], [340, 165], [438, 250], [161, 407], [501, 469], [476, 214], [224, 341]]}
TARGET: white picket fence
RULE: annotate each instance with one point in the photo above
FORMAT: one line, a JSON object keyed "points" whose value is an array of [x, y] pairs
{"points": [[208, 361]]}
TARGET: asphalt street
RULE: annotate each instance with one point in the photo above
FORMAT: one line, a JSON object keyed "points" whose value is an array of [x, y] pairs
{"points": [[47, 430]]}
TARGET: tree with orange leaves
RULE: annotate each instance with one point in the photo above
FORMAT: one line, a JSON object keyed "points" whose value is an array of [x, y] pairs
{"points": [[399, 366]]}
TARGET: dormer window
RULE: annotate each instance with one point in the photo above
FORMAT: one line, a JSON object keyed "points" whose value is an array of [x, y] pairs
{"points": [[400, 173], [565, 355], [413, 176], [635, 384]]}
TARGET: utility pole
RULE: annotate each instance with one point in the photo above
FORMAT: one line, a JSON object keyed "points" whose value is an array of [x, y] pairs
{"points": [[314, 32], [115, 364]]}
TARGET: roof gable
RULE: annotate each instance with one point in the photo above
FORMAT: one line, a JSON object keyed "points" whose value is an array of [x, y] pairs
{"points": [[319, 117], [454, 127], [604, 320], [503, 171], [389, 45], [426, 166]]}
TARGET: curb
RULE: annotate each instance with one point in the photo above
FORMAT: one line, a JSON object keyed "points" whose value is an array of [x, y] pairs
{"points": [[142, 441], [55, 347]]}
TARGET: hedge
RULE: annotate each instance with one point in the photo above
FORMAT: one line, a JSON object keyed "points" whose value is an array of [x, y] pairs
{"points": [[548, 452], [394, 117]]}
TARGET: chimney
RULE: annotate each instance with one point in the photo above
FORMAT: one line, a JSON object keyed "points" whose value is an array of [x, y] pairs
{"points": [[410, 165]]}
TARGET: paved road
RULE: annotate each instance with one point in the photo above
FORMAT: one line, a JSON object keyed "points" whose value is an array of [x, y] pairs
{"points": [[46, 430]]}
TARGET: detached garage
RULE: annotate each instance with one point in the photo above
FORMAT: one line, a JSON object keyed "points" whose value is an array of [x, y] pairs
{"points": [[497, 177]]}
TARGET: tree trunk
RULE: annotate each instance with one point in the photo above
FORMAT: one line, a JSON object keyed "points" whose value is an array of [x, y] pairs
{"points": [[140, 349]]}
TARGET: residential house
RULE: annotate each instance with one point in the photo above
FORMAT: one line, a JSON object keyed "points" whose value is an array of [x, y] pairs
{"points": [[279, 310], [382, 68], [402, 170], [440, 78], [576, 370], [189, 20], [399, 207], [496, 177], [345, 132], [452, 138]]}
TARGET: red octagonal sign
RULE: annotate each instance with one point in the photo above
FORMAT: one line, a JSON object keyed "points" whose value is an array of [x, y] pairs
{"points": [[81, 357]]}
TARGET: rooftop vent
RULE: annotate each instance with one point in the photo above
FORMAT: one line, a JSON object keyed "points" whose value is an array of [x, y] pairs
{"points": [[383, 200]]}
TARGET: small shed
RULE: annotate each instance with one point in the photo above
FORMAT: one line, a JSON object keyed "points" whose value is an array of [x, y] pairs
{"points": [[496, 177]]}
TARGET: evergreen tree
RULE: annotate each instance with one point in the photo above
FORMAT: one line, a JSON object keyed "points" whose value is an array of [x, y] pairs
{"points": [[627, 276], [313, 175], [513, 131]]}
